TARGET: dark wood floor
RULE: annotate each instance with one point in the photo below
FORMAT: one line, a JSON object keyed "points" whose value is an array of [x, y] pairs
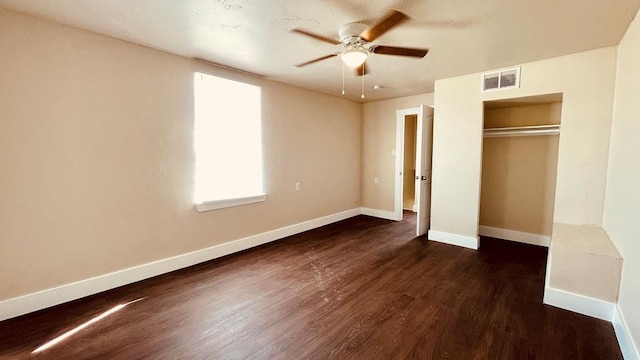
{"points": [[362, 288]]}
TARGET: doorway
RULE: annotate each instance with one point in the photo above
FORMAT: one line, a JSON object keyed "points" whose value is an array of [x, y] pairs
{"points": [[414, 131], [409, 163]]}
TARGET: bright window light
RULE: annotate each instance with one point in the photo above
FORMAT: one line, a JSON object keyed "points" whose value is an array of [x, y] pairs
{"points": [[228, 142]]}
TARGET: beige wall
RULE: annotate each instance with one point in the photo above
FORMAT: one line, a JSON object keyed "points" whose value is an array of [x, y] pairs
{"points": [[519, 173], [586, 81], [97, 163], [409, 171], [622, 204], [378, 143]]}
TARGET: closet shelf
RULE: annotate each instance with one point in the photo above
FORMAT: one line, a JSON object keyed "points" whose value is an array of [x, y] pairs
{"points": [[536, 130]]}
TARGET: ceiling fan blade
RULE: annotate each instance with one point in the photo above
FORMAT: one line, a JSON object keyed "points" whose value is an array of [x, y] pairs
{"points": [[316, 36], [391, 19], [316, 60], [400, 51], [445, 24], [362, 69]]}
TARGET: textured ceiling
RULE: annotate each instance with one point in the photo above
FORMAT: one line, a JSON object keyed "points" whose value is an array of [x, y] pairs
{"points": [[464, 36]]}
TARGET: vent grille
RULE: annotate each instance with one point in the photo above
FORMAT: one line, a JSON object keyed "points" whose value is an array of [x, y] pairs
{"points": [[501, 80]]}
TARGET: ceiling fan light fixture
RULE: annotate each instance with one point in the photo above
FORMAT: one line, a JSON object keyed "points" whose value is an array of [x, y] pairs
{"points": [[354, 56]]}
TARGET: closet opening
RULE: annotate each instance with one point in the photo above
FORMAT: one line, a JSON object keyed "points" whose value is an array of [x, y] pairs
{"points": [[519, 166]]}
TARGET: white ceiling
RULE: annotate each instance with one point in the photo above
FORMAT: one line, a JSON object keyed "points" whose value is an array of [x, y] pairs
{"points": [[464, 36]]}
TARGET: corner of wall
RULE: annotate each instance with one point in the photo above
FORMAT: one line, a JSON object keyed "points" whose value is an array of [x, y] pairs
{"points": [[454, 239], [625, 340]]}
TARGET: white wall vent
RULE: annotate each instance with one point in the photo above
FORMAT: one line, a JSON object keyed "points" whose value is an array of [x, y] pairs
{"points": [[500, 80]]}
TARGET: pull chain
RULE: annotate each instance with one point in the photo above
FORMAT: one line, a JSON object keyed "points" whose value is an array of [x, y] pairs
{"points": [[342, 77], [362, 89]]}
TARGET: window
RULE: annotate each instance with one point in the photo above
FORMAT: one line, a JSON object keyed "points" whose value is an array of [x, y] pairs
{"points": [[227, 142]]}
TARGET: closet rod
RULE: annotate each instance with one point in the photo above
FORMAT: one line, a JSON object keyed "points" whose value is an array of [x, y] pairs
{"points": [[536, 130]]}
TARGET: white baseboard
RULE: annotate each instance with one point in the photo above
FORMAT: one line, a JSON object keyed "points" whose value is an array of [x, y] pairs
{"points": [[46, 298], [454, 239], [389, 215], [581, 304], [513, 235], [599, 309], [627, 345]]}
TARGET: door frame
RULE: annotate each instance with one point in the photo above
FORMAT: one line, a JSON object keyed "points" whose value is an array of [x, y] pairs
{"points": [[399, 154], [424, 129]]}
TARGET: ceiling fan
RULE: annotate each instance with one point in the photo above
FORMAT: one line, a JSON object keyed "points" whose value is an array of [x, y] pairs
{"points": [[356, 38]]}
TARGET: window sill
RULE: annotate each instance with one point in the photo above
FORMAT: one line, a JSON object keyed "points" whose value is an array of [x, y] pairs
{"points": [[221, 204]]}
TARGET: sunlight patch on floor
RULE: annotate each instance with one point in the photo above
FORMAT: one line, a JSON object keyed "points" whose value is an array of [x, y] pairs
{"points": [[82, 326]]}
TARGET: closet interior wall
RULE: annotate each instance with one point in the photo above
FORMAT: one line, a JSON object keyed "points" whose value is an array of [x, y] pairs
{"points": [[519, 172]]}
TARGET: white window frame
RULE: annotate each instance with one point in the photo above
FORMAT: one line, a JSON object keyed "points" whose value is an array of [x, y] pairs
{"points": [[225, 203], [213, 204]]}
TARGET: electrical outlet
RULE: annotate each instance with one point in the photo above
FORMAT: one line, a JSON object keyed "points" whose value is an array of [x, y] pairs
{"points": [[297, 186], [375, 180]]}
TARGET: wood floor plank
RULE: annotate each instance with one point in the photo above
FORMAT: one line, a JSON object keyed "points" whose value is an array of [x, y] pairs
{"points": [[363, 288]]}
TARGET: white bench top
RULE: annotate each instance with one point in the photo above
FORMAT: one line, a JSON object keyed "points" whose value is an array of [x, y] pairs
{"points": [[582, 238]]}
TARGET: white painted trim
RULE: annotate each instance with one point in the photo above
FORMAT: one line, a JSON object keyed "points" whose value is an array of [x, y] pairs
{"points": [[547, 274], [581, 304], [46, 298], [389, 215], [225, 203], [627, 346], [454, 239], [513, 235]]}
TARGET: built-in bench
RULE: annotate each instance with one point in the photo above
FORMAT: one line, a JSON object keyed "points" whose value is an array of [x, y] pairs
{"points": [[583, 270]]}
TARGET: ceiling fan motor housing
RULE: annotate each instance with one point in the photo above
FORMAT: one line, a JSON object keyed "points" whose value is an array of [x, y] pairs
{"points": [[350, 34], [356, 41]]}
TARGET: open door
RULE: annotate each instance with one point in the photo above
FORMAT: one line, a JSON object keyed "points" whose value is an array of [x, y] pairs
{"points": [[423, 168]]}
